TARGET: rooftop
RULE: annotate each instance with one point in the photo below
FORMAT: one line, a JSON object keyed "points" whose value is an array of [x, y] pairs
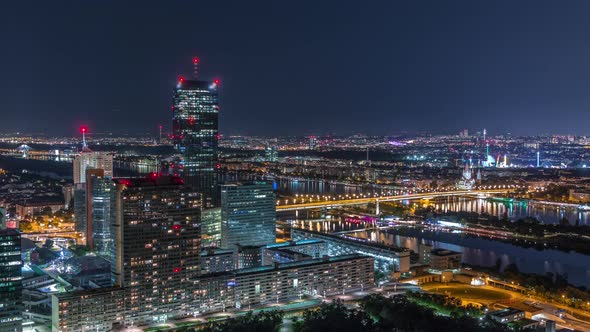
{"points": [[215, 251], [506, 312], [316, 261], [285, 245], [153, 179]]}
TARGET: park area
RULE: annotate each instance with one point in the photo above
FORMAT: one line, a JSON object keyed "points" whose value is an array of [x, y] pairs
{"points": [[482, 295]]}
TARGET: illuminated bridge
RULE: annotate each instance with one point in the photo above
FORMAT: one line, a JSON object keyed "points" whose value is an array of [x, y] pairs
{"points": [[377, 200]]}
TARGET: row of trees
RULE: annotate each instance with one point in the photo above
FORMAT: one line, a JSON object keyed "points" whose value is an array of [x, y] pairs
{"points": [[374, 313], [266, 321], [446, 304]]}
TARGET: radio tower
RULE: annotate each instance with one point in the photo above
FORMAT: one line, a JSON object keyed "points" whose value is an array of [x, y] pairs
{"points": [[83, 130]]}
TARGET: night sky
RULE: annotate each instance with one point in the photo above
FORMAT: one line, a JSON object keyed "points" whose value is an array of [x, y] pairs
{"points": [[299, 67]]}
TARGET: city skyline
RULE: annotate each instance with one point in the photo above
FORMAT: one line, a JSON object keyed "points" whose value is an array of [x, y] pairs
{"points": [[273, 166], [413, 67]]}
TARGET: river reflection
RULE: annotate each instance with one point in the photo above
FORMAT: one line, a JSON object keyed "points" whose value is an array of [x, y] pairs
{"points": [[483, 252], [476, 251], [513, 210]]}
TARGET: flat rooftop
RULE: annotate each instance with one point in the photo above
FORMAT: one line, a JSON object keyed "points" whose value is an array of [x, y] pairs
{"points": [[506, 312], [316, 261]]}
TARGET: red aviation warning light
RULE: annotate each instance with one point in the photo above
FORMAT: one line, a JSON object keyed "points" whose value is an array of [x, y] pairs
{"points": [[195, 60], [83, 130], [181, 79], [217, 81], [176, 270]]}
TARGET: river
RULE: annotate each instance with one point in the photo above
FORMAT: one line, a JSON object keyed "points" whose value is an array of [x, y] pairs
{"points": [[476, 251], [549, 214]]}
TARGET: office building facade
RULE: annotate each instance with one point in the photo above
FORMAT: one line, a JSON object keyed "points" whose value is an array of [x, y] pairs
{"points": [[10, 281], [211, 227], [195, 123], [325, 276], [158, 247], [98, 309], [216, 260], [100, 214], [248, 214], [88, 159]]}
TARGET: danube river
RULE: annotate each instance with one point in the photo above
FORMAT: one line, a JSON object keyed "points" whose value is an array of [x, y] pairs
{"points": [[476, 251], [550, 214]]}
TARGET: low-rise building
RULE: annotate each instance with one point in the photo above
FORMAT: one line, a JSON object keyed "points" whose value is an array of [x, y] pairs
{"points": [[216, 260], [443, 259], [103, 309], [507, 315], [424, 253], [387, 259], [29, 208], [98, 309], [293, 251], [325, 276], [249, 256]]}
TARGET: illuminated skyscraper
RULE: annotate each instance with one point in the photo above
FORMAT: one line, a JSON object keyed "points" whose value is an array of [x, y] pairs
{"points": [[248, 214], [158, 247], [211, 227], [10, 281], [195, 110], [100, 214], [86, 160]]}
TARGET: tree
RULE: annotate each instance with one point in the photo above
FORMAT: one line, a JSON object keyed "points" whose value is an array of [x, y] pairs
{"points": [[334, 317], [266, 321], [47, 211]]}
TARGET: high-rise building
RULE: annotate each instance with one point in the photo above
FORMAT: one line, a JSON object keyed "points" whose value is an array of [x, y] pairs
{"points": [[195, 110], [158, 247], [100, 214], [211, 227], [80, 208], [3, 218], [271, 154], [10, 281], [88, 159], [312, 143], [248, 214]]}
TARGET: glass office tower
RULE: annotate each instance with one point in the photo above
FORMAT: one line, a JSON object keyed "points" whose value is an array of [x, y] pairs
{"points": [[211, 227], [195, 110], [10, 281], [100, 214], [248, 214]]}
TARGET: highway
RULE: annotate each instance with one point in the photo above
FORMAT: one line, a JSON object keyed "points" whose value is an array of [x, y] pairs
{"points": [[361, 201]]}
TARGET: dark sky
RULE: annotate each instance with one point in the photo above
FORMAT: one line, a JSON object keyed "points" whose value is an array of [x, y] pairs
{"points": [[299, 67]]}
